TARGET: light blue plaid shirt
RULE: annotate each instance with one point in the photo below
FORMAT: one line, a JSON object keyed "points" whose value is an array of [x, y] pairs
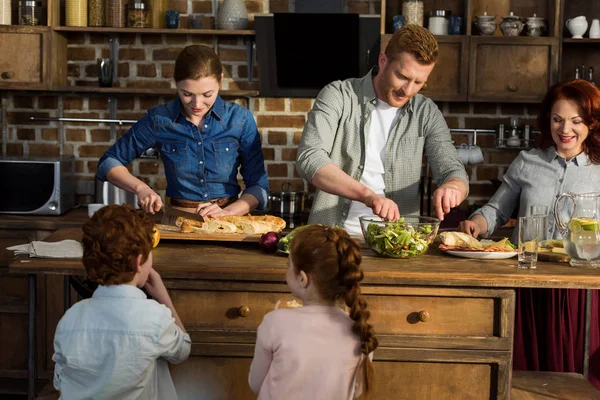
{"points": [[539, 177]]}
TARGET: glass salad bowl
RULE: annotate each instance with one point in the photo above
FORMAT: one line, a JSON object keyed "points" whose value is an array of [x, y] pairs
{"points": [[407, 237]]}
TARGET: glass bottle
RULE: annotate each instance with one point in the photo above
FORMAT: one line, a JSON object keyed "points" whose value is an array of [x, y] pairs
{"points": [[138, 14], [591, 75], [577, 74], [413, 11], [30, 12], [96, 13], [158, 14], [116, 13]]}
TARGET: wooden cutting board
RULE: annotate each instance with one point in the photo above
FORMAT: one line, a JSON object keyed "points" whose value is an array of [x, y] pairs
{"points": [[553, 257], [169, 232]]}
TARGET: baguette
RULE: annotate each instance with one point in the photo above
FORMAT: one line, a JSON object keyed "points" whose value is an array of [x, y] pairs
{"points": [[181, 220]]}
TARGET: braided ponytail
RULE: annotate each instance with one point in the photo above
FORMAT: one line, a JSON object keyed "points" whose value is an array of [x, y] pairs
{"points": [[333, 259], [350, 274]]}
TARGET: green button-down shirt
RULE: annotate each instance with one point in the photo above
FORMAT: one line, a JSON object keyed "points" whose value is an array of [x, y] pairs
{"points": [[336, 133]]}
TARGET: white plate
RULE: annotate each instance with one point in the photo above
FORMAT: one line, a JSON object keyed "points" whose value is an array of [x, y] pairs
{"points": [[486, 255]]}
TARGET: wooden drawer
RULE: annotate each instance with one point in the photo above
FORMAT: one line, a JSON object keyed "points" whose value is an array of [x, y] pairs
{"points": [[225, 309], [432, 315], [442, 318]]}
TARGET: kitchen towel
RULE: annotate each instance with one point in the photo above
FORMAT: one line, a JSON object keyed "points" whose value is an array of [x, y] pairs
{"points": [[62, 249]]}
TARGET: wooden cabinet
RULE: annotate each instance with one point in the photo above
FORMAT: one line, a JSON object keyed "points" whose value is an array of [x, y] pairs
{"points": [[579, 53], [32, 58], [515, 69], [450, 82], [461, 338], [478, 68], [14, 291]]}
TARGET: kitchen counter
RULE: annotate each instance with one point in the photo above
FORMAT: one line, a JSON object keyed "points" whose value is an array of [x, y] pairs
{"points": [[246, 262], [71, 219], [443, 322]]}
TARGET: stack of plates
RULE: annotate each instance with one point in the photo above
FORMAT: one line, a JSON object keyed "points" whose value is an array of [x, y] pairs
{"points": [[76, 13], [5, 12]]}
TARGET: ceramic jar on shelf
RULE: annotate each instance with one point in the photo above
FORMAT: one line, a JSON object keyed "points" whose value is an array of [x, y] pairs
{"points": [[511, 25], [535, 26], [486, 24], [232, 15]]}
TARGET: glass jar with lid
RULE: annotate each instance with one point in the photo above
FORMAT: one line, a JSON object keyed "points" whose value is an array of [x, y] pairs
{"points": [[438, 22], [115, 13], [96, 13], [413, 11], [138, 14], [30, 12]]}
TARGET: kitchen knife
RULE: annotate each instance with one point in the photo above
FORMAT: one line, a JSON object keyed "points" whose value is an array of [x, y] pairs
{"points": [[171, 213]]}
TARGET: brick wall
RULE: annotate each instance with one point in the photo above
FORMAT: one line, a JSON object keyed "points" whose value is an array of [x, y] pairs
{"points": [[147, 61]]}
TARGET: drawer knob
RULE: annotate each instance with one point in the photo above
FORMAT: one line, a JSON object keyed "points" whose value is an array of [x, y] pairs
{"points": [[423, 316], [8, 75], [512, 88], [244, 311]]}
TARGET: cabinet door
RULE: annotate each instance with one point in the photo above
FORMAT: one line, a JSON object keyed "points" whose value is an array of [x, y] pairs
{"points": [[208, 378], [32, 57], [449, 79], [424, 375], [517, 69], [21, 58], [14, 291]]}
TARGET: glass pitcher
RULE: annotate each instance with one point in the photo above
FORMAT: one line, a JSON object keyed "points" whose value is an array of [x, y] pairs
{"points": [[581, 235]]}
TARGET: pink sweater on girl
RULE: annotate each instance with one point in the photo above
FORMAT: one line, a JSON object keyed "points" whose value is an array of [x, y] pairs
{"points": [[306, 353]]}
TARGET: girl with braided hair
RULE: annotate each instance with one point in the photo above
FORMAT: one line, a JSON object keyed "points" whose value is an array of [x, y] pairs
{"points": [[318, 351]]}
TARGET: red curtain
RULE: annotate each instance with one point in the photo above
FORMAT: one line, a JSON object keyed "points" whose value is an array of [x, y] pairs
{"points": [[549, 331]]}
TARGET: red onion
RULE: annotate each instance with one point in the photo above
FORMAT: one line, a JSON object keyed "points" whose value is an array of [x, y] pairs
{"points": [[268, 242]]}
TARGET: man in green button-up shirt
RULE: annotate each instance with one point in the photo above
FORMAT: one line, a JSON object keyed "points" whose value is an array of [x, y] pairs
{"points": [[333, 148]]}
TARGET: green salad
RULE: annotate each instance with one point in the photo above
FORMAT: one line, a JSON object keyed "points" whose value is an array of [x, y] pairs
{"points": [[397, 239], [285, 243]]}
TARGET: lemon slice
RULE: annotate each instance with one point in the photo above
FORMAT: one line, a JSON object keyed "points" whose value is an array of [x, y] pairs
{"points": [[530, 246], [574, 226], [155, 237]]}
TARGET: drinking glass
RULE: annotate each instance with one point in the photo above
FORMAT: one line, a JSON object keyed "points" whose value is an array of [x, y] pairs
{"points": [[530, 230], [542, 211], [105, 72]]}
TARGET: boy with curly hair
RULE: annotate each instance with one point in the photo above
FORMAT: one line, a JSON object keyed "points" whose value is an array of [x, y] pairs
{"points": [[117, 343]]}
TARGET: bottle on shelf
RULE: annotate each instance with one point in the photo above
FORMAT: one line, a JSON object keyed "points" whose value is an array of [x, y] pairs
{"points": [[590, 76], [577, 74]]}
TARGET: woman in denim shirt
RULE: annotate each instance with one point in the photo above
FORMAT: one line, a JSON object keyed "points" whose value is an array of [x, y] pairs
{"points": [[203, 141]]}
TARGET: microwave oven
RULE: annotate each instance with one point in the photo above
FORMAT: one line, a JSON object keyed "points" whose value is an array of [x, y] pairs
{"points": [[41, 186]]}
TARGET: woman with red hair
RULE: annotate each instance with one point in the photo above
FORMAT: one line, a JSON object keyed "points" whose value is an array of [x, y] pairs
{"points": [[549, 325]]}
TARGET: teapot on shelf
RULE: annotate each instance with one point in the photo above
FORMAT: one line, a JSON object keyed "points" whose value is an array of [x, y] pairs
{"points": [[581, 235], [577, 26]]}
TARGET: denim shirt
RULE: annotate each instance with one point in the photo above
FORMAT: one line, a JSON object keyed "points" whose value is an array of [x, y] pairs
{"points": [[200, 164], [117, 345]]}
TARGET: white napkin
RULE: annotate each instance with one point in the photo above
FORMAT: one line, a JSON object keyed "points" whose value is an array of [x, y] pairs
{"points": [[62, 249]]}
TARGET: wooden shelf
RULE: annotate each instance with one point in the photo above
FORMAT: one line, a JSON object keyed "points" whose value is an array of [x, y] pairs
{"points": [[581, 41], [139, 91], [215, 32]]}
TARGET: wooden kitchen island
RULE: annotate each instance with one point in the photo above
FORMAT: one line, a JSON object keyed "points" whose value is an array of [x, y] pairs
{"points": [[445, 325]]}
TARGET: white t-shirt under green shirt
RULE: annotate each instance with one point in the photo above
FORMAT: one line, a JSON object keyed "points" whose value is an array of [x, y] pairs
{"points": [[383, 118]]}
